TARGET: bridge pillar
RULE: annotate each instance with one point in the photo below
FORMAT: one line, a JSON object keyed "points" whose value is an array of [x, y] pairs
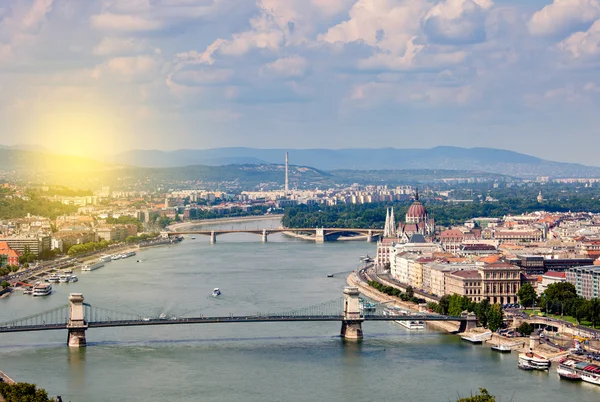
{"points": [[77, 325], [320, 235], [213, 237], [370, 236], [264, 235], [469, 323], [352, 322]]}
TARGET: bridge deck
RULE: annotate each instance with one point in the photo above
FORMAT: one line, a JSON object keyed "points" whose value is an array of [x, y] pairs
{"points": [[230, 319]]}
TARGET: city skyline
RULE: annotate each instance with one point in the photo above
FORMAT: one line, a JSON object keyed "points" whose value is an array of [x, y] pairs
{"points": [[111, 76]]}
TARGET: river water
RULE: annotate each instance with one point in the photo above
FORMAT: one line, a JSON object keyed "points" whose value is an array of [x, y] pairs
{"points": [[252, 362]]}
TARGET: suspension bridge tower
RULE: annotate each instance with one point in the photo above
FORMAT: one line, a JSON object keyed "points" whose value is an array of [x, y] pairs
{"points": [[77, 325], [352, 322]]}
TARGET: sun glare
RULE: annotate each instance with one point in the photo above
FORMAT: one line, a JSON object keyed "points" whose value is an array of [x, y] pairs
{"points": [[77, 130]]}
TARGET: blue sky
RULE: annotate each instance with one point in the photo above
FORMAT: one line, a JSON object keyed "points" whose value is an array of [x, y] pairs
{"points": [[90, 76]]}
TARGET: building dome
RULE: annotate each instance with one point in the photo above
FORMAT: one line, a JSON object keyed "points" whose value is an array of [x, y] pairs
{"points": [[416, 211]]}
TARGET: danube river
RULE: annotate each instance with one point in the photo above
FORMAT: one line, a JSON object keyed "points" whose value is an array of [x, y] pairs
{"points": [[252, 362]]}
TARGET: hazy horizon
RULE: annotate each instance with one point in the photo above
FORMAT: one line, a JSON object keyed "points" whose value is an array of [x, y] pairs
{"points": [[115, 75]]}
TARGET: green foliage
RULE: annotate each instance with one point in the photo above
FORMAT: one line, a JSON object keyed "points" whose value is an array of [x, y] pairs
{"points": [[482, 310], [15, 207], [5, 284], [23, 392], [495, 317], [85, 248], [392, 291], [125, 220], [142, 237], [525, 329], [482, 396], [4, 271], [164, 221], [527, 296]]}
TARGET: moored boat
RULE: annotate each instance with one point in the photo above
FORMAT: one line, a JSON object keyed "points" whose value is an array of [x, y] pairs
{"points": [[93, 266], [533, 360], [588, 372], [566, 370], [53, 278], [42, 289]]}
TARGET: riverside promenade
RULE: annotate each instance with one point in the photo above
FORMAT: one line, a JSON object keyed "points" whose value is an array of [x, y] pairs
{"points": [[360, 279]]}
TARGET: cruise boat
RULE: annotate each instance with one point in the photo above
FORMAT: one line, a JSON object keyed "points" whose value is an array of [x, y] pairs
{"points": [[589, 372], [43, 289], [53, 278], [366, 307], [93, 266], [412, 324], [566, 370], [128, 254], [502, 348], [216, 292], [116, 257], [533, 361], [105, 258]]}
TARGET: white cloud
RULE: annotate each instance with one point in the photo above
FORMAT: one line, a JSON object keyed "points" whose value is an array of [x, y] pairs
{"points": [[564, 16], [583, 44], [386, 24], [287, 67], [36, 15], [457, 21]]}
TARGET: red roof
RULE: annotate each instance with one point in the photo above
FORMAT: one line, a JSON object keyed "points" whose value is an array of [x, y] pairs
{"points": [[554, 274]]}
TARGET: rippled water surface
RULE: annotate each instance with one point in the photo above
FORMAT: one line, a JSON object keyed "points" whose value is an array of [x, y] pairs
{"points": [[252, 362]]}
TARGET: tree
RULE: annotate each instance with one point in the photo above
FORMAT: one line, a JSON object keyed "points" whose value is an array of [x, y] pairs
{"points": [[482, 310], [527, 296], [444, 305], [483, 396], [495, 317], [23, 392], [5, 284], [410, 292], [525, 329]]}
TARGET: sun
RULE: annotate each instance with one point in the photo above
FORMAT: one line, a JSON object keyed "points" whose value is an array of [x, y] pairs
{"points": [[79, 130]]}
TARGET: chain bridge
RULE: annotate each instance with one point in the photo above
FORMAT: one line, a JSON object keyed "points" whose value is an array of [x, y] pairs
{"points": [[78, 316]]}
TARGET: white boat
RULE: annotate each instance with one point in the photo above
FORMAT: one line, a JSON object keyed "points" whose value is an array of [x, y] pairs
{"points": [[93, 266], [588, 372], [128, 254], [477, 338], [533, 361], [502, 348], [43, 289], [105, 258], [73, 278], [64, 278], [216, 292], [53, 278], [163, 316], [412, 324], [566, 370], [116, 257]]}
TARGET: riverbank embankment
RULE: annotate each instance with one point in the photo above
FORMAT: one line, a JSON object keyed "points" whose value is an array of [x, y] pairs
{"points": [[355, 280]]}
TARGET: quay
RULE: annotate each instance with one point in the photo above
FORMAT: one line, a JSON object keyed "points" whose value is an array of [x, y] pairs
{"points": [[6, 379]]}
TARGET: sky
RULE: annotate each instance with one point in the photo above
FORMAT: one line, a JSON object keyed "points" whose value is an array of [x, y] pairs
{"points": [[105, 76]]}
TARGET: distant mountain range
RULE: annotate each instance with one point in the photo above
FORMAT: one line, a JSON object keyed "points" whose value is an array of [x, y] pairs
{"points": [[488, 160]]}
